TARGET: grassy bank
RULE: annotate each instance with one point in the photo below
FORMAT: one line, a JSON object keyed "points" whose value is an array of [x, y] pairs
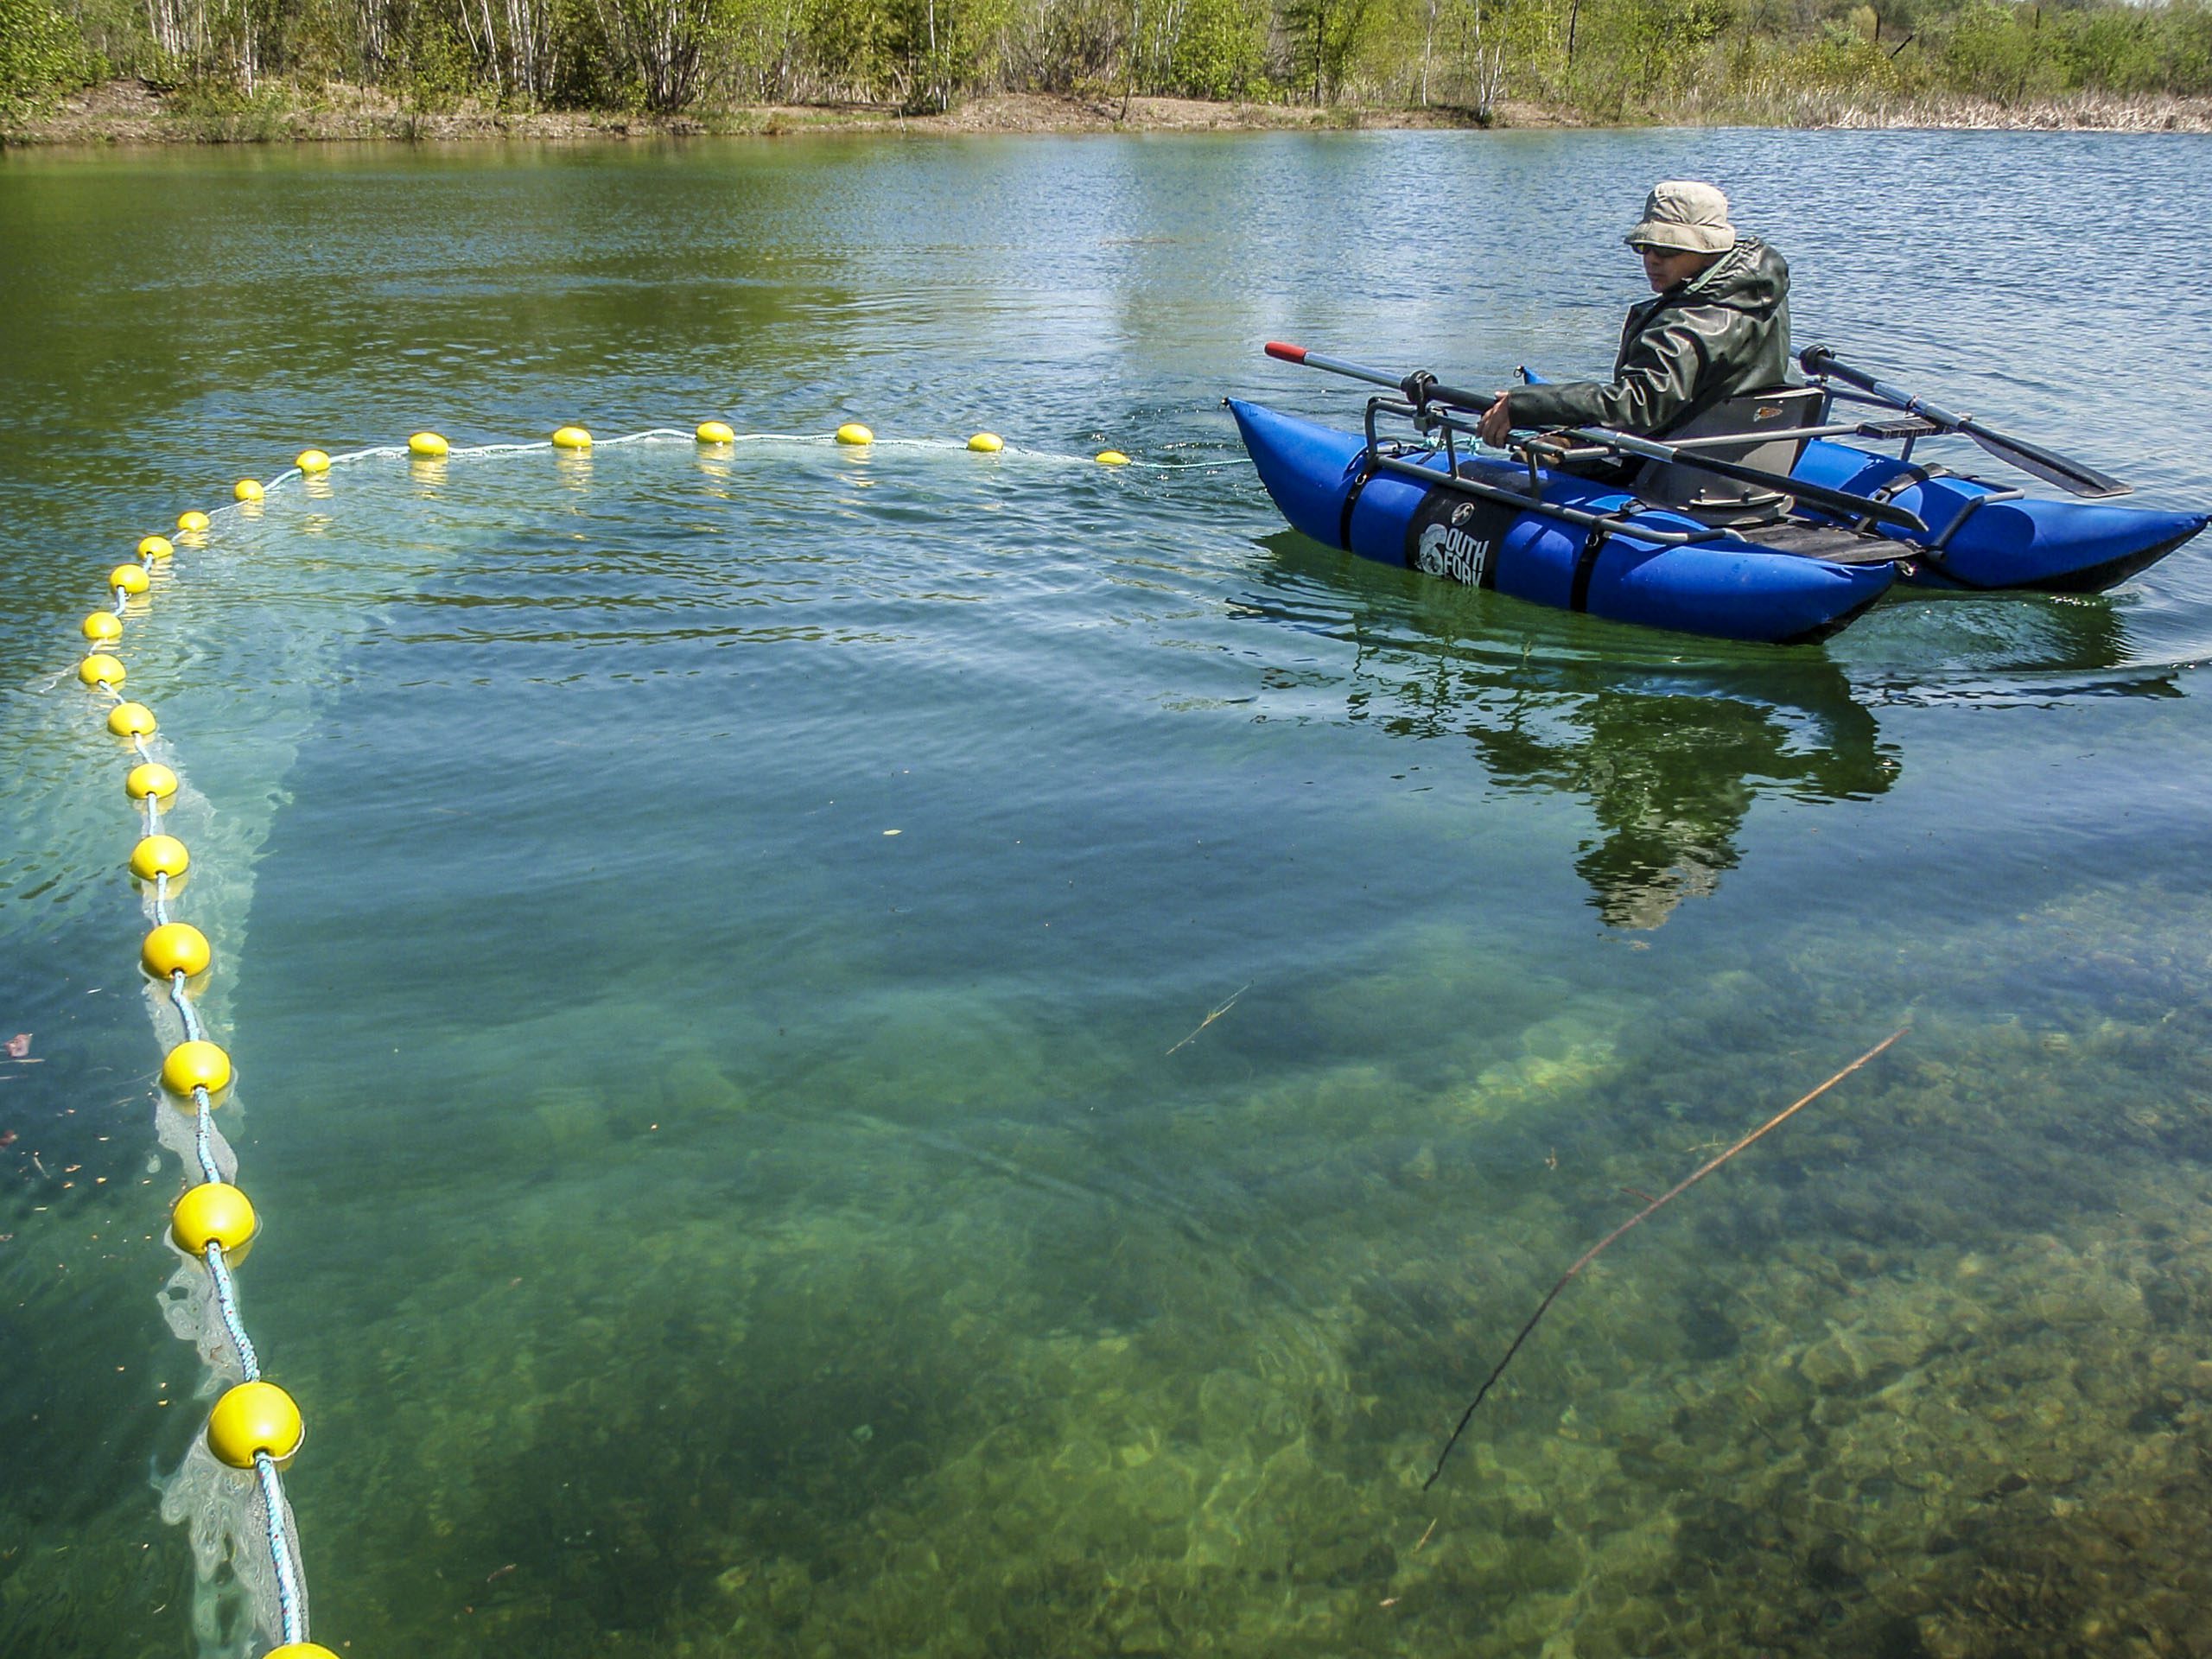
{"points": [[132, 112], [1858, 108]]}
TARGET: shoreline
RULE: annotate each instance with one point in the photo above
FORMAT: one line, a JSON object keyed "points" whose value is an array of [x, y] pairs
{"points": [[129, 112]]}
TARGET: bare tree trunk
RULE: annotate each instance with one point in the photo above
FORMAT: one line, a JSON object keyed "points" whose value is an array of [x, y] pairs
{"points": [[1427, 46], [500, 52], [164, 22], [484, 51], [372, 38], [943, 88], [521, 46], [1490, 69], [1129, 57]]}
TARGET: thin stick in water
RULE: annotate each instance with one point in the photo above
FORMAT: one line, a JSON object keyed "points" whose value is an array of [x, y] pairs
{"points": [[1591, 1255], [1211, 1018]]}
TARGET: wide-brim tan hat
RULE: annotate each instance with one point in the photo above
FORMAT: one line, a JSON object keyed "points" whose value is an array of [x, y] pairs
{"points": [[1685, 216]]}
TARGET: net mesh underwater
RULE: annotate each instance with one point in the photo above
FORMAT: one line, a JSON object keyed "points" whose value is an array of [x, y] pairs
{"points": [[237, 572]]}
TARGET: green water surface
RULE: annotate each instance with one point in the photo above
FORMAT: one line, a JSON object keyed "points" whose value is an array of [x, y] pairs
{"points": [[904, 1052]]}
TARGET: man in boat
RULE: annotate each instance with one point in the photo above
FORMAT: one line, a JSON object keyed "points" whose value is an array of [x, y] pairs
{"points": [[1719, 326]]}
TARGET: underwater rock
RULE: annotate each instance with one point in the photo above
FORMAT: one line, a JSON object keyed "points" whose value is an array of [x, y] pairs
{"points": [[1830, 1366], [696, 1084], [1855, 1356], [1240, 1417], [789, 1588], [570, 1117]]}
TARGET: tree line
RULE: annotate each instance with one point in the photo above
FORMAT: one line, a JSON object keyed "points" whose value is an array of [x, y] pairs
{"points": [[1606, 60]]}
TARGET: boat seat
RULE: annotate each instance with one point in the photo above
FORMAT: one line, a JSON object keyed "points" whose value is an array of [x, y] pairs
{"points": [[1769, 422]]}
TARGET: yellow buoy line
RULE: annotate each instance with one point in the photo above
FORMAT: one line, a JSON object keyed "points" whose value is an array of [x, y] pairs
{"points": [[719, 435], [255, 1424]]}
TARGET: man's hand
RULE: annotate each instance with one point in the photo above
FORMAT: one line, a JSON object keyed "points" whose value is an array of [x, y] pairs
{"points": [[1496, 424]]}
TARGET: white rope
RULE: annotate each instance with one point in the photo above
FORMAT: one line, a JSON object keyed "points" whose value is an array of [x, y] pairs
{"points": [[290, 1600], [280, 1549]]}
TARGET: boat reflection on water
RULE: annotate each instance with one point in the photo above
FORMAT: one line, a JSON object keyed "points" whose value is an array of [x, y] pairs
{"points": [[1669, 740], [1670, 773]]}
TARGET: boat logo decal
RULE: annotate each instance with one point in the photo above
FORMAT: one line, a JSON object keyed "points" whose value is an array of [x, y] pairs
{"points": [[1456, 540], [1447, 551]]}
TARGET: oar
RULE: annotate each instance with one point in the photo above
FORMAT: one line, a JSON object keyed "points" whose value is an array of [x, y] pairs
{"points": [[2028, 457], [1419, 388], [1839, 502], [1416, 388]]}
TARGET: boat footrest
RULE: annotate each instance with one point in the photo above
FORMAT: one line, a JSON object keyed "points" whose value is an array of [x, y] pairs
{"points": [[1834, 543]]}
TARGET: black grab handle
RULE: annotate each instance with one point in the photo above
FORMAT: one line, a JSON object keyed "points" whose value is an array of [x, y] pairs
{"points": [[1421, 388], [1820, 360]]}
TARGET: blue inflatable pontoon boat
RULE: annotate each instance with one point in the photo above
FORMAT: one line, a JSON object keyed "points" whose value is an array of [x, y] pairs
{"points": [[1775, 533]]}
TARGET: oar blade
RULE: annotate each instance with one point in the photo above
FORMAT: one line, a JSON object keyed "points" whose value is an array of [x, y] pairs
{"points": [[2075, 477]]}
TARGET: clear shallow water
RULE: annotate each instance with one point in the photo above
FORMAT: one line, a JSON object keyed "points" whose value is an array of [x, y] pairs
{"points": [[700, 1220]]}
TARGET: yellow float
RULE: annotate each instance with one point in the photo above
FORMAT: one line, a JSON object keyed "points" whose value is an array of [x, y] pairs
{"points": [[246, 490], [130, 720], [571, 437], [151, 778], [986, 443], [100, 669], [132, 578], [1112, 458], [215, 1212], [716, 432], [156, 546], [429, 446], [156, 855], [175, 947], [311, 461], [251, 1419], [854, 433], [196, 1065], [191, 521], [102, 627]]}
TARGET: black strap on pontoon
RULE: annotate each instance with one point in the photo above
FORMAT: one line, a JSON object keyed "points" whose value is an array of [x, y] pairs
{"points": [[1891, 488], [1351, 500], [1593, 543]]}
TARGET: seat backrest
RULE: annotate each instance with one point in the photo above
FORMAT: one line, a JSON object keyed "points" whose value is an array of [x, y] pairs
{"points": [[1768, 422]]}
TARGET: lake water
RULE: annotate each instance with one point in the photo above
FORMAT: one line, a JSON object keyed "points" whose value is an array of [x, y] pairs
{"points": [[722, 952]]}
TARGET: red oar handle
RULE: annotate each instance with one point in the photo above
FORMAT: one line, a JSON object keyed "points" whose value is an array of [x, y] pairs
{"points": [[1421, 388]]}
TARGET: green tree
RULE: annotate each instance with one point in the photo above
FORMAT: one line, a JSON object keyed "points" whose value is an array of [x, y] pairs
{"points": [[664, 45], [1648, 48], [41, 55], [2115, 51], [1220, 50], [948, 48], [1995, 52], [1322, 36]]}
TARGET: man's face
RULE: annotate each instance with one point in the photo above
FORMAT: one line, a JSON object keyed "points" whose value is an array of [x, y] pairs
{"points": [[1664, 267]]}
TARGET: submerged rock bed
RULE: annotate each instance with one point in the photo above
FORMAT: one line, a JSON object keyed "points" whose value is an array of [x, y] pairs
{"points": [[1917, 1376]]}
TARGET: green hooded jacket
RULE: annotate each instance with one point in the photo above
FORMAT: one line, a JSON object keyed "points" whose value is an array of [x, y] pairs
{"points": [[1724, 330]]}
